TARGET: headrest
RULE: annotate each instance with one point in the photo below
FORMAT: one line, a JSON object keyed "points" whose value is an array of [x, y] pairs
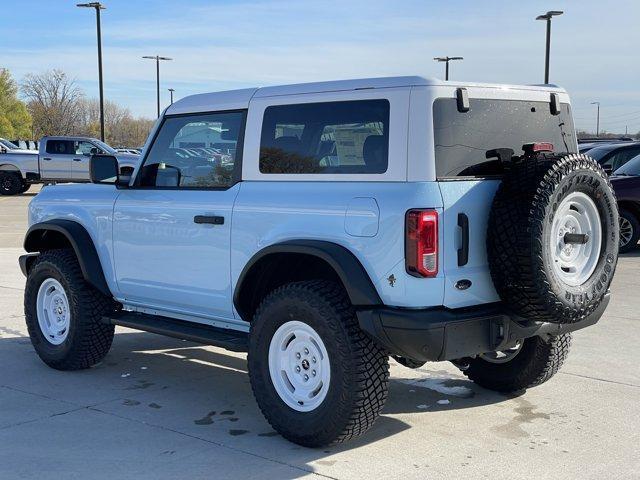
{"points": [[374, 152]]}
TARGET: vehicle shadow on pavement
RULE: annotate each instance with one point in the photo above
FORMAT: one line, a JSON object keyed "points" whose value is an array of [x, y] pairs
{"points": [[204, 393]]}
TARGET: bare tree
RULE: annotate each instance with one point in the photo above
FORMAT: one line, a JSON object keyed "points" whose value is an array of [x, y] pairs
{"points": [[121, 128], [54, 101]]}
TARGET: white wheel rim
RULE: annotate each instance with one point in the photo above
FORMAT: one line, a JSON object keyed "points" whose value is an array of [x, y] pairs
{"points": [[299, 366], [575, 263], [52, 308], [626, 231]]}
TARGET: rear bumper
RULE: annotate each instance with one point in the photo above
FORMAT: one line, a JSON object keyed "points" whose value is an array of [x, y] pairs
{"points": [[444, 334]]}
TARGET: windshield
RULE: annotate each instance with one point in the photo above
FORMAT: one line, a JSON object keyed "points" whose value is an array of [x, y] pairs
{"points": [[105, 147], [632, 167], [597, 153], [9, 145], [462, 139]]}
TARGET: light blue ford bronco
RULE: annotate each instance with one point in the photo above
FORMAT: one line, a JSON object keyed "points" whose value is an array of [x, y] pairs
{"points": [[325, 227]]}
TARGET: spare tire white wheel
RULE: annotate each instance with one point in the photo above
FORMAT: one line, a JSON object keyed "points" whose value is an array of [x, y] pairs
{"points": [[552, 245]]}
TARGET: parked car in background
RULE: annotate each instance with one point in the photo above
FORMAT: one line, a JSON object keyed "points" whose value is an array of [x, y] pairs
{"points": [[586, 144], [626, 184], [612, 156], [132, 151], [60, 159], [13, 148], [26, 144]]}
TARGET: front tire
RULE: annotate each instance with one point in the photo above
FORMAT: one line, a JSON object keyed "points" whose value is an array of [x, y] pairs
{"points": [[535, 362], [64, 313], [294, 325]]}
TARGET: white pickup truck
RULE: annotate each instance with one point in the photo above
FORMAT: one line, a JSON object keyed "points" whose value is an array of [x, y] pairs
{"points": [[60, 159]]}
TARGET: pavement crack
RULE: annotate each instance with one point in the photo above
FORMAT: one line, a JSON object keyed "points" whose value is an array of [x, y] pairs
{"points": [[600, 379], [57, 414], [222, 445], [12, 288]]}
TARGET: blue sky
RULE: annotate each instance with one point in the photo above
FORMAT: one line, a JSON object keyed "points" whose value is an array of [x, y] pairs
{"points": [[225, 44]]}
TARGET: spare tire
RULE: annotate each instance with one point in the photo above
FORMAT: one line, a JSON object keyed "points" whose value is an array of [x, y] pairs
{"points": [[552, 239]]}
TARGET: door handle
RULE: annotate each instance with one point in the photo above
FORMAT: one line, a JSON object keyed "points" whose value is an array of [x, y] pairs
{"points": [[47, 158], [211, 219], [77, 159], [463, 251]]}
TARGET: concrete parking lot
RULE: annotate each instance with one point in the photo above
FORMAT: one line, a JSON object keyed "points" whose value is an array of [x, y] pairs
{"points": [[163, 408]]}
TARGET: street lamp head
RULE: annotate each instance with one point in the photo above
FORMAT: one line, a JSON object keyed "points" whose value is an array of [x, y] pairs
{"points": [[156, 57], [595, 103], [446, 59], [549, 14], [96, 5]]}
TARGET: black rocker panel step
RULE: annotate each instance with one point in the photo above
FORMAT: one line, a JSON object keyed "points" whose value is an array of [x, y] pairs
{"points": [[194, 332]]}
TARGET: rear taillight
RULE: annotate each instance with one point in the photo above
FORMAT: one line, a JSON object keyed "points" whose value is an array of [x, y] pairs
{"points": [[421, 243]]}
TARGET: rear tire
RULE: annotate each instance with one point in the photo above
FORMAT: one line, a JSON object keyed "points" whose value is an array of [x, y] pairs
{"points": [[629, 231], [10, 183], [64, 313], [536, 362], [356, 372]]}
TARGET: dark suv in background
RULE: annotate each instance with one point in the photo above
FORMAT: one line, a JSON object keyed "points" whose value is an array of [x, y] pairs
{"points": [[612, 156], [626, 183]]}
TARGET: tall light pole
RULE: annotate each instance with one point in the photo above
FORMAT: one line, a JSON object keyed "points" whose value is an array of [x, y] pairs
{"points": [[597, 118], [98, 6], [171, 90], [446, 60], [157, 58], [547, 16]]}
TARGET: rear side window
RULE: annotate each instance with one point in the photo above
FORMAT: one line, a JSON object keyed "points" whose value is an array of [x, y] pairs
{"points": [[332, 137], [463, 138], [61, 147]]}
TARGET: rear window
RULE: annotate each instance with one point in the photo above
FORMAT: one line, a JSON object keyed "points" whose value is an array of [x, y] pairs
{"points": [[61, 147], [463, 138], [331, 137]]}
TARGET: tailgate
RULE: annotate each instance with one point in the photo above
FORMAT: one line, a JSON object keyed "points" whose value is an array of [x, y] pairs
{"points": [[473, 199]]}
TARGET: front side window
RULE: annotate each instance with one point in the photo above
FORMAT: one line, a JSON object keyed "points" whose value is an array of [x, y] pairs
{"points": [[194, 151], [462, 139], [332, 137], [86, 148]]}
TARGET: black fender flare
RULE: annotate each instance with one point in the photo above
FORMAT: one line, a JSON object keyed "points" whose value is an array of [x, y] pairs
{"points": [[36, 241], [352, 274]]}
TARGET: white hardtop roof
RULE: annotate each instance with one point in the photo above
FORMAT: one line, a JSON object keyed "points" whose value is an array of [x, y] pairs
{"points": [[239, 99]]}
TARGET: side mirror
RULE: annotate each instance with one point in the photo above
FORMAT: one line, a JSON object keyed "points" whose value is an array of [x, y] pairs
{"points": [[3, 149], [168, 176], [608, 169], [94, 151], [103, 169]]}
